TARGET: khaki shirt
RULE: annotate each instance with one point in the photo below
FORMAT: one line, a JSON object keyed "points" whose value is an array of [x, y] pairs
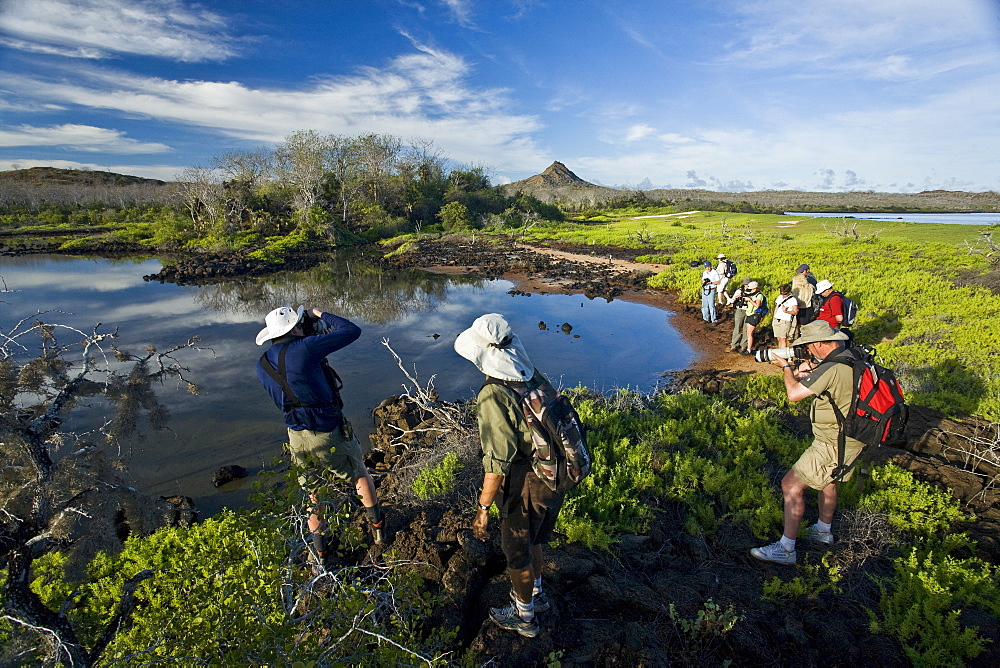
{"points": [[504, 433], [837, 380]]}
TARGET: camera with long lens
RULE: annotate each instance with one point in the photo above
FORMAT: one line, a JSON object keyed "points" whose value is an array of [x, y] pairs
{"points": [[790, 353]]}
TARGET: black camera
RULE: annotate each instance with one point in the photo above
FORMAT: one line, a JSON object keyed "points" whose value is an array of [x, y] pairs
{"points": [[311, 325], [790, 353]]}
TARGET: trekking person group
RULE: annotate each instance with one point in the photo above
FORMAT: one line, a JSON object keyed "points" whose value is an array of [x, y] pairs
{"points": [[296, 375]]}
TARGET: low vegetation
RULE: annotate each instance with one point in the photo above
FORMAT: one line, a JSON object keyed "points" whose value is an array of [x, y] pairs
{"points": [[237, 588]]}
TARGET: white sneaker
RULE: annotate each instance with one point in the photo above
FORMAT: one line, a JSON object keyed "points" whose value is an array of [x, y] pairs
{"points": [[509, 619], [817, 536], [774, 553]]}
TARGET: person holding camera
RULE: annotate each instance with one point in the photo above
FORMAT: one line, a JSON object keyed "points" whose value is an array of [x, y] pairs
{"points": [[786, 307], [709, 289], [754, 313], [739, 302], [831, 383], [294, 371]]}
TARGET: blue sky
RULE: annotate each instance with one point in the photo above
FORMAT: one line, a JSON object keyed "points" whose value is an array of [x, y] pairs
{"points": [[886, 95]]}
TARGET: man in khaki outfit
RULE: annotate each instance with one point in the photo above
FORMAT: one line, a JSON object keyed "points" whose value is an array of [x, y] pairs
{"points": [[528, 508], [830, 381]]}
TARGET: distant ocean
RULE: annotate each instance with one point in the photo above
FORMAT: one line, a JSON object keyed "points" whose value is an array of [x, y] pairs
{"points": [[949, 218]]}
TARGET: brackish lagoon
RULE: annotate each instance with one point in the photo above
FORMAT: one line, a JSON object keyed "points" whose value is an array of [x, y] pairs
{"points": [[948, 218], [607, 345]]}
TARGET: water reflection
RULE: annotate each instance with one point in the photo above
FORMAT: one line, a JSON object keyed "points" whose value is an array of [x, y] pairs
{"points": [[605, 345], [348, 284]]}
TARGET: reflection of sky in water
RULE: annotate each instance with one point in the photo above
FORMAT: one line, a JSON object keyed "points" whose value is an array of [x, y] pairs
{"points": [[612, 345]]}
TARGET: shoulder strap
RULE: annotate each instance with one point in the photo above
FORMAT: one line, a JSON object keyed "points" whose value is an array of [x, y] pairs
{"points": [[278, 374], [851, 358]]}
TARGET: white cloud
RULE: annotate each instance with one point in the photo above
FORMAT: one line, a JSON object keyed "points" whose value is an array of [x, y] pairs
{"points": [[420, 94], [79, 138], [98, 28], [639, 132], [890, 39]]}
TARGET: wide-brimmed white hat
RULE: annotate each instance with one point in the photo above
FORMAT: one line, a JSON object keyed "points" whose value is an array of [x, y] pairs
{"points": [[817, 331], [279, 322], [824, 285], [494, 348], [720, 256]]}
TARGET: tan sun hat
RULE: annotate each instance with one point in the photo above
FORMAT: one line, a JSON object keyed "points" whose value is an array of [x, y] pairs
{"points": [[817, 331], [279, 322], [494, 348]]}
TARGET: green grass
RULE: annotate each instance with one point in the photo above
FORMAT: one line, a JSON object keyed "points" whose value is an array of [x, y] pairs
{"points": [[939, 337]]}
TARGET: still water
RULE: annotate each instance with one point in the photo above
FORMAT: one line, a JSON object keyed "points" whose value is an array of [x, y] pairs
{"points": [[948, 218], [232, 421]]}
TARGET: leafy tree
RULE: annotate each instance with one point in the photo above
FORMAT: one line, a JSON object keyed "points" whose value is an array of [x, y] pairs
{"points": [[455, 216]]}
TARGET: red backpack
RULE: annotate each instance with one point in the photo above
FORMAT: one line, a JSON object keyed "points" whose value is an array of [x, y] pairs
{"points": [[878, 411]]}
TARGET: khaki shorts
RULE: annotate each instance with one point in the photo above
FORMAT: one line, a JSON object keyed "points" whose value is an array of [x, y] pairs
{"points": [[816, 465], [317, 450], [782, 328]]}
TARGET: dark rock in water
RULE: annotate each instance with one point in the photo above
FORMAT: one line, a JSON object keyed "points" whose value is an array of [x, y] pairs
{"points": [[228, 473], [542, 326], [566, 328], [184, 512]]}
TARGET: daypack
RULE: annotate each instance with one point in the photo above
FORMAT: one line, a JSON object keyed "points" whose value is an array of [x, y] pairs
{"points": [[878, 411], [763, 308], [558, 437], [850, 310], [730, 269]]}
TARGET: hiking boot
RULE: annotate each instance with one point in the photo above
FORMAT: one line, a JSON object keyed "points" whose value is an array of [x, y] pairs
{"points": [[508, 619], [734, 349], [379, 534], [817, 536], [541, 600], [774, 553]]}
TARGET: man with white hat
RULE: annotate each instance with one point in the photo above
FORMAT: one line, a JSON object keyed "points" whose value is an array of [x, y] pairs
{"points": [[832, 310], [528, 508], [819, 467], [294, 371]]}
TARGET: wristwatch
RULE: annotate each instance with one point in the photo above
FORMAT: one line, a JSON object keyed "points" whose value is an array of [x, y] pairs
{"points": [[482, 507]]}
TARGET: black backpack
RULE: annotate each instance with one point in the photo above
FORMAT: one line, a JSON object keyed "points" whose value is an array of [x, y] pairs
{"points": [[878, 411], [730, 269]]}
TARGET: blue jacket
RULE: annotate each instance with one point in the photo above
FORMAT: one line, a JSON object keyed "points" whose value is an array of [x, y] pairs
{"points": [[304, 375]]}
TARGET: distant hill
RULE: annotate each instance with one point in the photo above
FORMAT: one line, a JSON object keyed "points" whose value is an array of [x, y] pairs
{"points": [[53, 175], [558, 184], [33, 187]]}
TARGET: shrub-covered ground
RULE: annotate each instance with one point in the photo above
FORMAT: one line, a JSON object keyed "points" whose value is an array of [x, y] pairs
{"points": [[653, 565]]}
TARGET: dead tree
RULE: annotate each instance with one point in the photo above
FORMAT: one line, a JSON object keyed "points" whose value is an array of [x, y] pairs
{"points": [[75, 500]]}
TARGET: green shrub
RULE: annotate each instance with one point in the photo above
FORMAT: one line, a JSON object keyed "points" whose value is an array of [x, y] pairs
{"points": [[913, 507], [921, 606], [432, 483]]}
